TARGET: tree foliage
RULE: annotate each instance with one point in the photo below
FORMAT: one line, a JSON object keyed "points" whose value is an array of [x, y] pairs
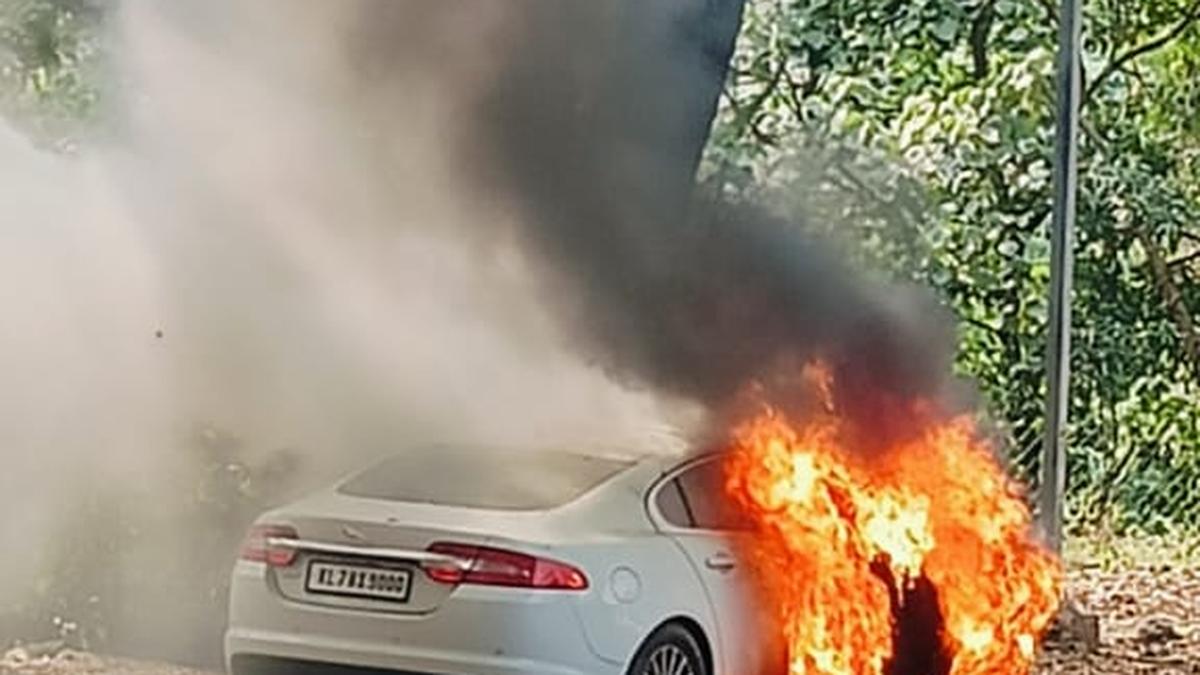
{"points": [[48, 55], [923, 132]]}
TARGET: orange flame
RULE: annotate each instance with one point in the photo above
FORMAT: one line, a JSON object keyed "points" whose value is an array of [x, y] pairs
{"points": [[939, 506]]}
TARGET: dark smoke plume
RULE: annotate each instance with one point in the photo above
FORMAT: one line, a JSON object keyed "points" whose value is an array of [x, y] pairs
{"points": [[595, 127]]}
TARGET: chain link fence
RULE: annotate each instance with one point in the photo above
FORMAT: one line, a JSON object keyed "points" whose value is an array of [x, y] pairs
{"points": [[1124, 479]]}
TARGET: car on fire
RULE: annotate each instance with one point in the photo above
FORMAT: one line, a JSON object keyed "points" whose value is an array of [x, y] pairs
{"points": [[471, 561]]}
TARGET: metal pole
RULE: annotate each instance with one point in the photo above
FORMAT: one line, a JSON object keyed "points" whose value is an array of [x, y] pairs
{"points": [[1058, 348]]}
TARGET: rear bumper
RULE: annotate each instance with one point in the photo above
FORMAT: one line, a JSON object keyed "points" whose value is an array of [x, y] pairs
{"points": [[478, 631]]}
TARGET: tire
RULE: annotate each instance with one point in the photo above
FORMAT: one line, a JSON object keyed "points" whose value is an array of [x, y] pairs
{"points": [[670, 650]]}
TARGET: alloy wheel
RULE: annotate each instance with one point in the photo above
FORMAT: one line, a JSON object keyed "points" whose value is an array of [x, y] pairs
{"points": [[668, 659]]}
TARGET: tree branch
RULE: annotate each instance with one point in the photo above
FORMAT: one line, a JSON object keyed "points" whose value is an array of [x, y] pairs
{"points": [[1189, 17], [795, 99], [888, 206], [1172, 298], [981, 27], [746, 114], [998, 332], [1184, 259]]}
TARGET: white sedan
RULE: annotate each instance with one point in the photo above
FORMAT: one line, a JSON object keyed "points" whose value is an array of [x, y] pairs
{"points": [[461, 562]]}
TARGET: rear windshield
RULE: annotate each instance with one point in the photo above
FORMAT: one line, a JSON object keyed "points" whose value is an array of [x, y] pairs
{"points": [[489, 480]]}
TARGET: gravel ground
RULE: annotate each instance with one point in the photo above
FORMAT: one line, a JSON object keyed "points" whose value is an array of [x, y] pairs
{"points": [[1149, 623]]}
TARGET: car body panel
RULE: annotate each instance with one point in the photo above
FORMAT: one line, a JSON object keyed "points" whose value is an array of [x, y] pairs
{"points": [[639, 585]]}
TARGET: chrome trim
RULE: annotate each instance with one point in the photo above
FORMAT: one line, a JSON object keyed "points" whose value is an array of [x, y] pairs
{"points": [[408, 555]]}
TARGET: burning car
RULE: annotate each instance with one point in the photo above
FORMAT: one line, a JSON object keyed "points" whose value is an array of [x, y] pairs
{"points": [[792, 549], [455, 560]]}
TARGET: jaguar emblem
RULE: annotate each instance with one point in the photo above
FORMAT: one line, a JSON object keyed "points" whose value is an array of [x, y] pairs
{"points": [[352, 533]]}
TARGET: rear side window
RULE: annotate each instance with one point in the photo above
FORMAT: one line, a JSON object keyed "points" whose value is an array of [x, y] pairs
{"points": [[702, 490], [483, 479], [670, 505]]}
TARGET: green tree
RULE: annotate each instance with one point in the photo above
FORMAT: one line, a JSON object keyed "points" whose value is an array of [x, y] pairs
{"points": [[49, 50], [924, 131]]}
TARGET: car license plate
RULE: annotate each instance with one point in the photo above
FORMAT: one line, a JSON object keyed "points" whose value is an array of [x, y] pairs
{"points": [[363, 581]]}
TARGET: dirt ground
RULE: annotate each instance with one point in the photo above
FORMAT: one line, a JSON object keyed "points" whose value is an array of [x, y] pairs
{"points": [[1149, 623], [76, 663]]}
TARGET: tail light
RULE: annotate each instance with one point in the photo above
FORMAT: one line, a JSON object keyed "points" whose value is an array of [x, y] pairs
{"points": [[496, 567], [260, 545]]}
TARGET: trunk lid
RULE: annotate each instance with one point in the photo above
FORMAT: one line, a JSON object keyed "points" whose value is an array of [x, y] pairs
{"points": [[365, 543], [350, 535]]}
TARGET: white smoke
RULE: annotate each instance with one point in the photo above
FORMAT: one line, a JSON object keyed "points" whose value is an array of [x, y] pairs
{"points": [[264, 238]]}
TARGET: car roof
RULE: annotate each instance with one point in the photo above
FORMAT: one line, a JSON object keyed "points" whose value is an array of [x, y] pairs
{"points": [[654, 443]]}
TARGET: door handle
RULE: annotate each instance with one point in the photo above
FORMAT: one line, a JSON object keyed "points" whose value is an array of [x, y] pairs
{"points": [[720, 562]]}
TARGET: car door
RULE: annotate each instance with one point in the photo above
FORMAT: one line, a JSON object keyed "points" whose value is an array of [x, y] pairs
{"points": [[691, 508]]}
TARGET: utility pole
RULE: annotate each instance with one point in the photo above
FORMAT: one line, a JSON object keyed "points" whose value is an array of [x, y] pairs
{"points": [[1058, 347]]}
